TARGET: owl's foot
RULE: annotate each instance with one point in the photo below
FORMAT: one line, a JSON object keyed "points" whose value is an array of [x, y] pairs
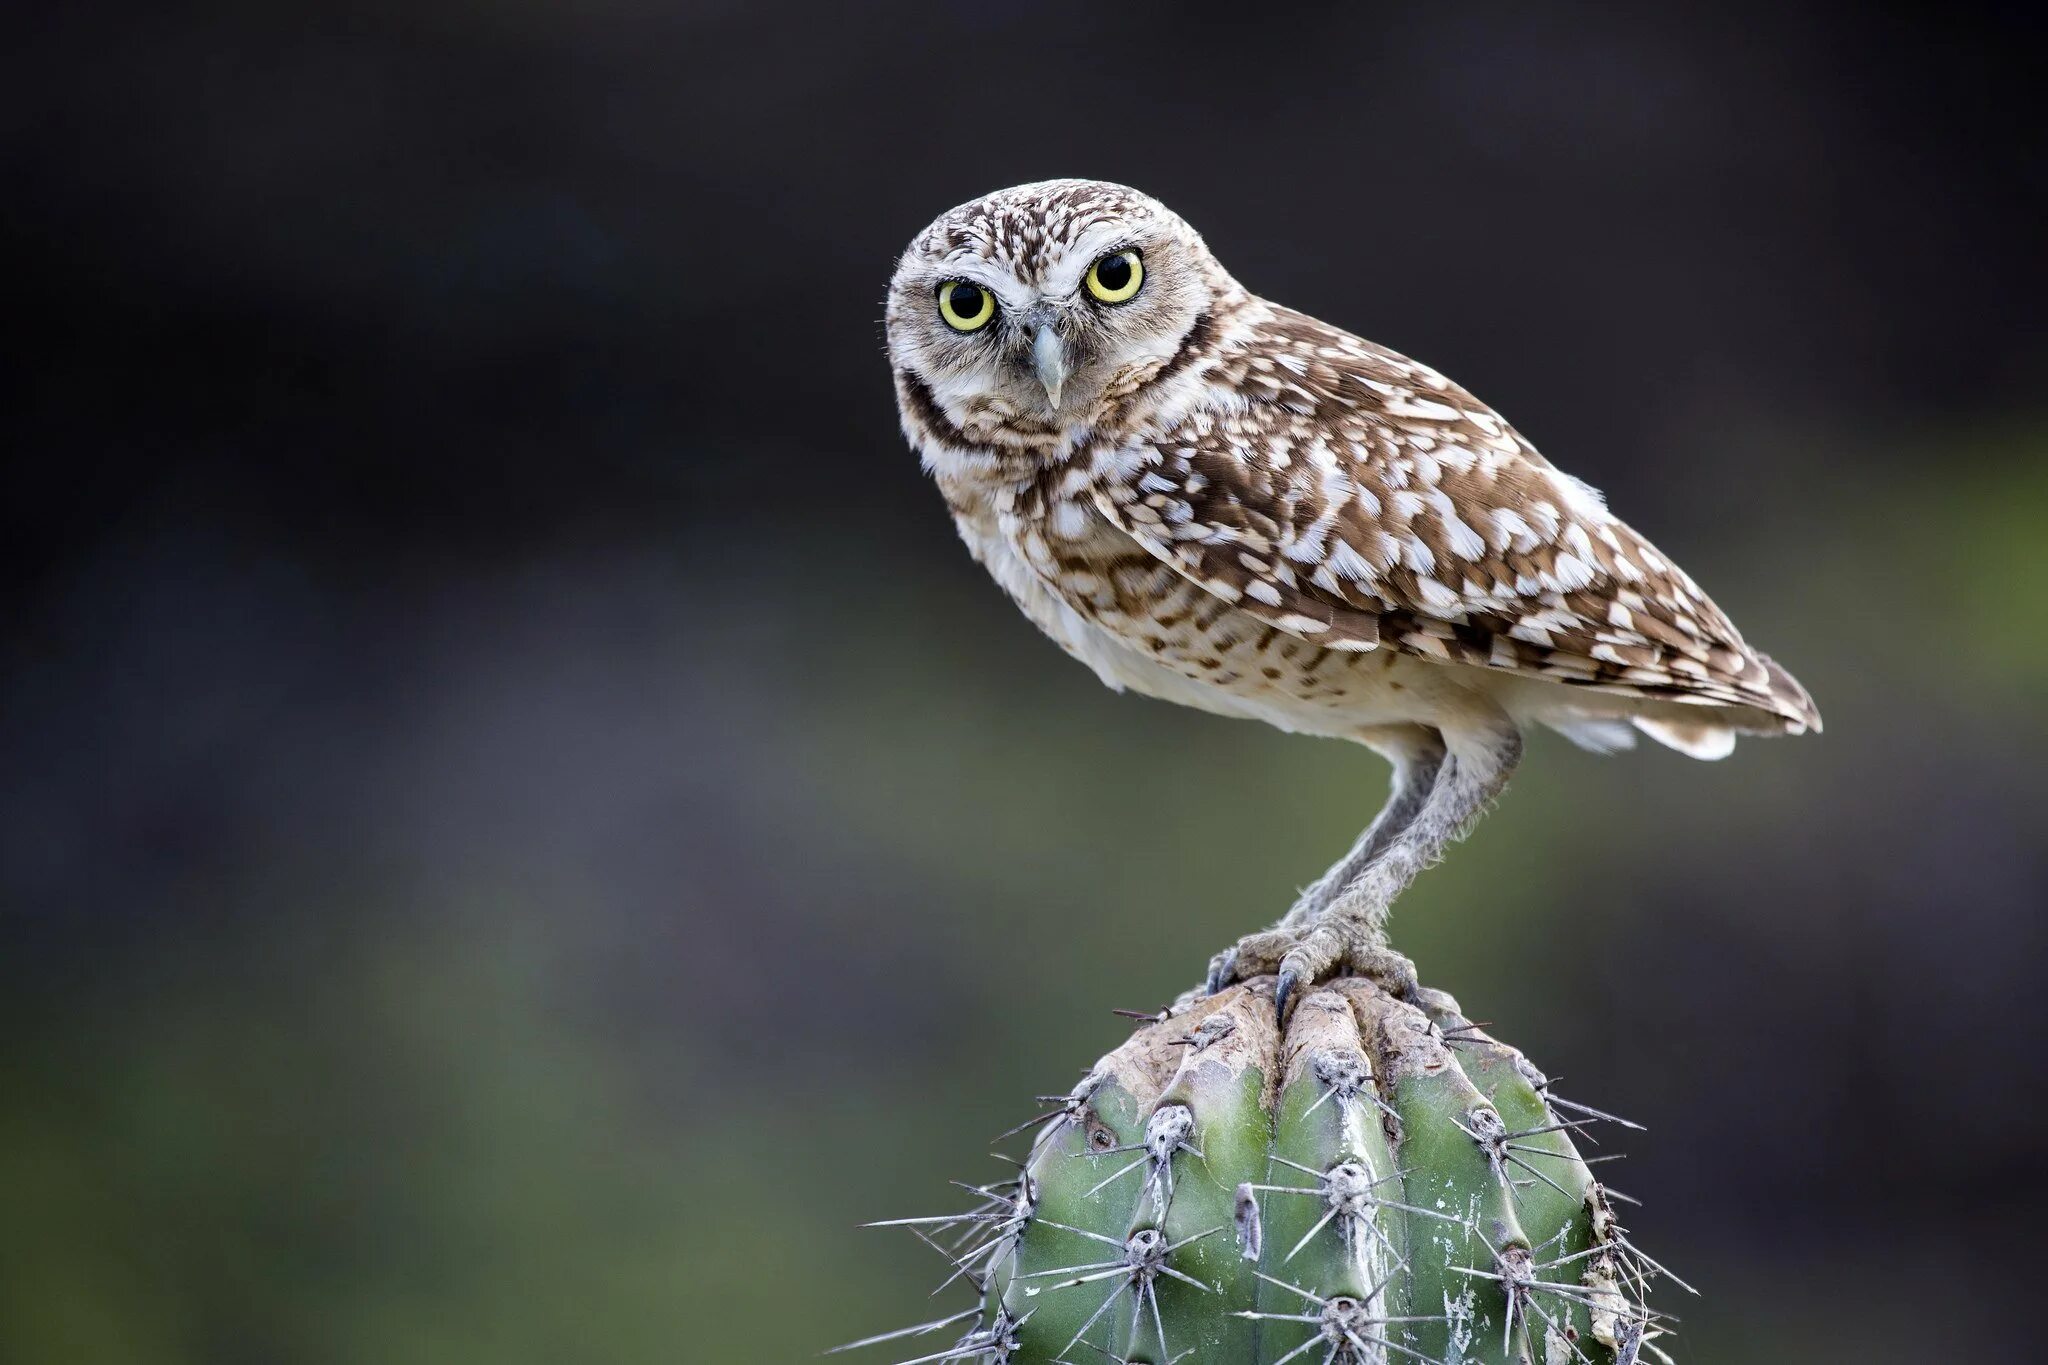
{"points": [[1301, 957]]}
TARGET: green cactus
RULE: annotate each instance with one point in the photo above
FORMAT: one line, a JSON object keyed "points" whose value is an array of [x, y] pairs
{"points": [[1384, 1183]]}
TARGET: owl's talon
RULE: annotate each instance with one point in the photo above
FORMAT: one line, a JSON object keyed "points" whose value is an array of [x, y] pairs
{"points": [[1393, 972], [1283, 988], [1311, 960], [1253, 955], [1222, 971], [1301, 959]]}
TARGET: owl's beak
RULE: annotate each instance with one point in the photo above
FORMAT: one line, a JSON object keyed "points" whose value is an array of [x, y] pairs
{"points": [[1049, 361]]}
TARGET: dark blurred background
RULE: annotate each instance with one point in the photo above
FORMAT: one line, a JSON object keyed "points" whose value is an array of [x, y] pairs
{"points": [[521, 825]]}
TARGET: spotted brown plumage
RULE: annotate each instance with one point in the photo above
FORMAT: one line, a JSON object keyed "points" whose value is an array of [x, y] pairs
{"points": [[1218, 501], [1354, 497]]}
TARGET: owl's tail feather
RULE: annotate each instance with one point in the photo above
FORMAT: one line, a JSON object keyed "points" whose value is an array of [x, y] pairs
{"points": [[1597, 734], [1794, 703], [1694, 739]]}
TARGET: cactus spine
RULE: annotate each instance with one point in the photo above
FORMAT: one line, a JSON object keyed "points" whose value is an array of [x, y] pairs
{"points": [[1383, 1182]]}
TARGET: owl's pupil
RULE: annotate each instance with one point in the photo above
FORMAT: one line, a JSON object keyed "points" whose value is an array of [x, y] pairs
{"points": [[967, 300], [1115, 272]]}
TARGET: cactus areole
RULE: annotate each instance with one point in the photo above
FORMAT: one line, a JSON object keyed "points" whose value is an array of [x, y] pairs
{"points": [[1380, 1183]]}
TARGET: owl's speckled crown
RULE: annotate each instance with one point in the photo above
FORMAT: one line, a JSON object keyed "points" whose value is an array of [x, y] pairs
{"points": [[1022, 222]]}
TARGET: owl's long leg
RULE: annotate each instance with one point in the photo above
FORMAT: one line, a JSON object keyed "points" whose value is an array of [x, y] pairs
{"points": [[1352, 931], [1349, 934], [1417, 755]]}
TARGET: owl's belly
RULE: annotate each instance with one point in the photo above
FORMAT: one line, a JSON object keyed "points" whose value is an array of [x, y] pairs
{"points": [[1183, 644], [1139, 625]]}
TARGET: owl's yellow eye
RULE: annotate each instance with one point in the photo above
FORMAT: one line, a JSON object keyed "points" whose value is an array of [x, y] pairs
{"points": [[966, 307], [1116, 277]]}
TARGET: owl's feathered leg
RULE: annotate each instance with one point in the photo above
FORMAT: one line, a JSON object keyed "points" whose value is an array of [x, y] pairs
{"points": [[1417, 755], [1349, 932]]}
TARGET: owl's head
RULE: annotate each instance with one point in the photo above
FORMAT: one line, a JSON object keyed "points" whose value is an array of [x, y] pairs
{"points": [[1022, 311]]}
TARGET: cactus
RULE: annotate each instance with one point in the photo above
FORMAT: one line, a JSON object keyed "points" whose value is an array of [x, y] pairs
{"points": [[1381, 1183]]}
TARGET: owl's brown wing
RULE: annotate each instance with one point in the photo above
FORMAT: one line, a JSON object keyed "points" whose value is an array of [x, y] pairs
{"points": [[1357, 499]]}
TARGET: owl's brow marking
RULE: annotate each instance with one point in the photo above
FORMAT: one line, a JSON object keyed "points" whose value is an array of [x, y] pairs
{"points": [[1083, 251], [989, 275]]}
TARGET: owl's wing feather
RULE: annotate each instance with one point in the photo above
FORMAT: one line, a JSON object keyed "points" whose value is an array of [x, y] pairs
{"points": [[1358, 499]]}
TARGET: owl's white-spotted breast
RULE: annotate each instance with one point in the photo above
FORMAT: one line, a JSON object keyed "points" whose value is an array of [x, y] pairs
{"points": [[1218, 501]]}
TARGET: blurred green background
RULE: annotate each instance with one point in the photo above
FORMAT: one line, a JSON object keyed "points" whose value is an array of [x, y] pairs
{"points": [[522, 828]]}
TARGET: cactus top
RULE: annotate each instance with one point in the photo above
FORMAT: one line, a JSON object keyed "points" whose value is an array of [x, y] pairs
{"points": [[1381, 1182]]}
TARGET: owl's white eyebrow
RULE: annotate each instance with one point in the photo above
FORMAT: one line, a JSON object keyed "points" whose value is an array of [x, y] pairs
{"points": [[1082, 253], [966, 265]]}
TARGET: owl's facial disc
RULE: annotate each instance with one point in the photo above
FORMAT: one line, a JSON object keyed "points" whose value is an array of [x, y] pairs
{"points": [[1025, 308]]}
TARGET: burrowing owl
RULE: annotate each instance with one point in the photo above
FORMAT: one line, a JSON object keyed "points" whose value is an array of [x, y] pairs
{"points": [[1215, 500]]}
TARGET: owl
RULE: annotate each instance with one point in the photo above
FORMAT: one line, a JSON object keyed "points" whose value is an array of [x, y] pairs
{"points": [[1217, 501]]}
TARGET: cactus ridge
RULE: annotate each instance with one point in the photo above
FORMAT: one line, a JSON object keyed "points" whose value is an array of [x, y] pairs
{"points": [[1380, 1183]]}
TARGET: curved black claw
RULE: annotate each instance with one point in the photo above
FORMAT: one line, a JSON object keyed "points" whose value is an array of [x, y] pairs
{"points": [[1222, 971], [1282, 990], [1394, 974]]}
